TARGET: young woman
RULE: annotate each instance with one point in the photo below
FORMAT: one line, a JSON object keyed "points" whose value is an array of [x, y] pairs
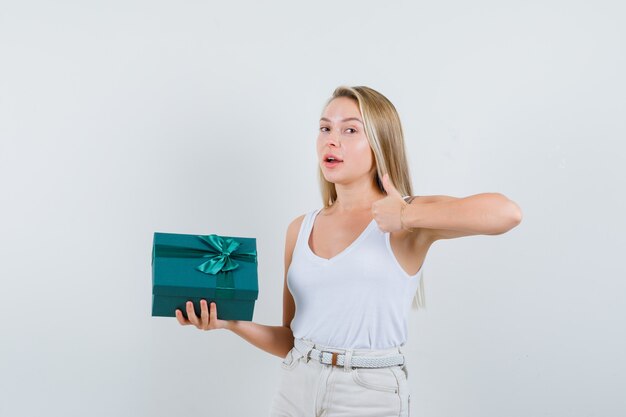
{"points": [[353, 267]]}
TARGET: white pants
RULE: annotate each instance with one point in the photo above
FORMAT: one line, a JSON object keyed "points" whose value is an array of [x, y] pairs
{"points": [[312, 389]]}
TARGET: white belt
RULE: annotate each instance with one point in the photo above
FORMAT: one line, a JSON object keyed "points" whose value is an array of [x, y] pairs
{"points": [[356, 360]]}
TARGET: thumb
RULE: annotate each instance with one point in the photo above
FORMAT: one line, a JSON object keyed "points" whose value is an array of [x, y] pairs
{"points": [[389, 187]]}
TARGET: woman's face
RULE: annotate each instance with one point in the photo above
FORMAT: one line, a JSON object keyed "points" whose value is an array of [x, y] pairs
{"points": [[342, 134]]}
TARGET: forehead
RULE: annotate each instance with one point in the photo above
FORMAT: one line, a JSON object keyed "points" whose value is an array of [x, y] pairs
{"points": [[341, 108]]}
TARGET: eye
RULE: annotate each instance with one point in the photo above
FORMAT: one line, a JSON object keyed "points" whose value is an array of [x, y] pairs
{"points": [[350, 128], [322, 128]]}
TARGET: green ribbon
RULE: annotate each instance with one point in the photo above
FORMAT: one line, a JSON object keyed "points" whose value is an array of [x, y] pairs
{"points": [[221, 252]]}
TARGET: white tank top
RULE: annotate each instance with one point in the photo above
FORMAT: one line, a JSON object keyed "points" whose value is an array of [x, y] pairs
{"points": [[358, 299]]}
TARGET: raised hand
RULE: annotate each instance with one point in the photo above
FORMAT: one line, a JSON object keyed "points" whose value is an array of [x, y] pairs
{"points": [[386, 211], [206, 321]]}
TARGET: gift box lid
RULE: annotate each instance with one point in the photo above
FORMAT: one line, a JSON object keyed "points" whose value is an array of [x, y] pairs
{"points": [[176, 256]]}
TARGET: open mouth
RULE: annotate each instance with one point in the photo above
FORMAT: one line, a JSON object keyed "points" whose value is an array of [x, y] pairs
{"points": [[331, 162]]}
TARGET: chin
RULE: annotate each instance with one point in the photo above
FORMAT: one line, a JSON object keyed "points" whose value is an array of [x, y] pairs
{"points": [[335, 180]]}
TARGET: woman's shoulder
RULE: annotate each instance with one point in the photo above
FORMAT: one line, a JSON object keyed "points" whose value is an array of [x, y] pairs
{"points": [[292, 236], [296, 223]]}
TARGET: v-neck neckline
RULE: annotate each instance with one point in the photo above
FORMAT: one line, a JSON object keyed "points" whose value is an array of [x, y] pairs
{"points": [[359, 238]]}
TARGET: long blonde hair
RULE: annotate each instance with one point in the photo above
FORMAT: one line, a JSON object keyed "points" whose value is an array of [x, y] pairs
{"points": [[384, 134]]}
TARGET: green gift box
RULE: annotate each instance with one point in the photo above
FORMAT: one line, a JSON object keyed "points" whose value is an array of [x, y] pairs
{"points": [[220, 269]]}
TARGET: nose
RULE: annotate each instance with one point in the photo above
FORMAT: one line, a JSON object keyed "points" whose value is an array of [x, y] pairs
{"points": [[331, 139]]}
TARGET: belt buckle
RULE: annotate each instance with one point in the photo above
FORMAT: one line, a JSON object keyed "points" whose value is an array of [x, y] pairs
{"points": [[334, 357]]}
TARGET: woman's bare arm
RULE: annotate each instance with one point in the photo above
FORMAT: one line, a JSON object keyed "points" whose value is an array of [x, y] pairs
{"points": [[277, 340]]}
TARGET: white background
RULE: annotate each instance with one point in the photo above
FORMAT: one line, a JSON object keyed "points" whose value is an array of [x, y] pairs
{"points": [[122, 118]]}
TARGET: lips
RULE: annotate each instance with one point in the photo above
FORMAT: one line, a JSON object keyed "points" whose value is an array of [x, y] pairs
{"points": [[329, 157]]}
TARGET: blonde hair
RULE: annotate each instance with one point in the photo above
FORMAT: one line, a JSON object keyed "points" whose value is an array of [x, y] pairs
{"points": [[384, 134]]}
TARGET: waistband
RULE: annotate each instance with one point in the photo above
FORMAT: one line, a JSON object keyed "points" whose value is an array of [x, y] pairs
{"points": [[348, 358], [304, 345]]}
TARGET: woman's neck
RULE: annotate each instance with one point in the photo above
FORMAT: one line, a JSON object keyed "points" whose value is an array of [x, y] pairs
{"points": [[352, 202]]}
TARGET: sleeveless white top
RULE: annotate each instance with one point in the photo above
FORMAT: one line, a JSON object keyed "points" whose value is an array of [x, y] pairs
{"points": [[358, 299]]}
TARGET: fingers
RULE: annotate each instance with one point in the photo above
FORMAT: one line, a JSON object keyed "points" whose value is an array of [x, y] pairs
{"points": [[214, 315], [389, 187], [181, 319], [206, 321], [204, 314], [191, 314]]}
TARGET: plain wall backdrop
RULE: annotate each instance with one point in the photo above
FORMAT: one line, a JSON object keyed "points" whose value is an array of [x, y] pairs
{"points": [[122, 118]]}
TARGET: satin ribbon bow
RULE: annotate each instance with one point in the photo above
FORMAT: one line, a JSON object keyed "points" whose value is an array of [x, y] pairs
{"points": [[222, 251]]}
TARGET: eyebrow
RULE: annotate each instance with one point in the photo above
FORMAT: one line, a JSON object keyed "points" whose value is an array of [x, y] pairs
{"points": [[344, 120]]}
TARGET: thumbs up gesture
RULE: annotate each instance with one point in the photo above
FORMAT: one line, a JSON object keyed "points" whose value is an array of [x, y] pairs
{"points": [[386, 211]]}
